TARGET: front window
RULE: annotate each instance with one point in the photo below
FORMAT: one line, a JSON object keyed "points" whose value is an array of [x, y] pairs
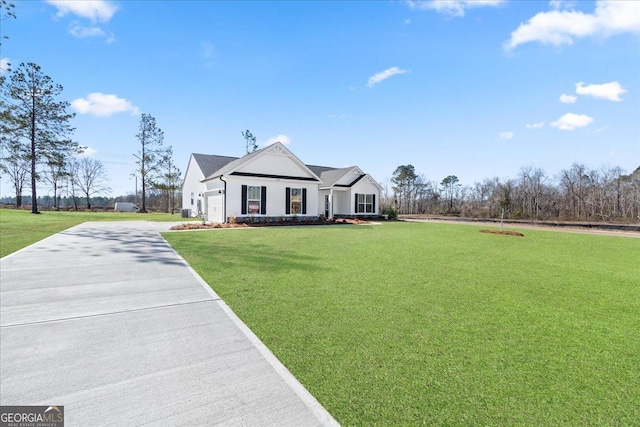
{"points": [[253, 200], [365, 203], [296, 201]]}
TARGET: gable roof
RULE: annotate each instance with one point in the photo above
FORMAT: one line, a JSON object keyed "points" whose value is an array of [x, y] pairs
{"points": [[213, 166], [209, 164]]}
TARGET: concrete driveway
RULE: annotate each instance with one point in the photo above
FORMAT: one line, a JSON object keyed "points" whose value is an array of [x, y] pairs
{"points": [[109, 321]]}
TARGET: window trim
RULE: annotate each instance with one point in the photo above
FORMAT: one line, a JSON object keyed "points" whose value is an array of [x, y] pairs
{"points": [[365, 207]]}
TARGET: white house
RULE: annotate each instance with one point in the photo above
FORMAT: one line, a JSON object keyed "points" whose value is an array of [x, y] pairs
{"points": [[273, 183]]}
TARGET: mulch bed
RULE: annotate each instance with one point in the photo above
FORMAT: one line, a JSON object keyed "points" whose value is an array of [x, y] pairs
{"points": [[210, 225], [506, 233]]}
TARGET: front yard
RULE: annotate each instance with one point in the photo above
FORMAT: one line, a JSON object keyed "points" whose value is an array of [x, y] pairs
{"points": [[438, 324]]}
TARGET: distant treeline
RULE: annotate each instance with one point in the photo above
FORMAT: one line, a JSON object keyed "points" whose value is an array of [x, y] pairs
{"points": [[156, 201], [577, 193]]}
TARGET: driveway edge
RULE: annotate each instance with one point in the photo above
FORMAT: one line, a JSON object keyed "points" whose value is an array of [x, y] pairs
{"points": [[307, 398]]}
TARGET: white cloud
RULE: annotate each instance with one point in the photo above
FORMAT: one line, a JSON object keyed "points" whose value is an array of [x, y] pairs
{"points": [[506, 135], [572, 121], [4, 65], [283, 139], [383, 75], [610, 91], [102, 104], [88, 152], [451, 7], [558, 27], [562, 4], [95, 10], [538, 125], [207, 49], [568, 99], [83, 32]]}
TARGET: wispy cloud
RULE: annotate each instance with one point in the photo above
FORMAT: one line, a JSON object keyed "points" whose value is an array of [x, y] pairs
{"points": [[283, 139], [4, 65], [451, 7], [88, 152], [92, 10], [610, 91], [559, 27], [208, 49], [538, 125], [562, 4], [95, 10], [384, 75], [571, 121], [568, 99], [103, 105], [506, 135]]}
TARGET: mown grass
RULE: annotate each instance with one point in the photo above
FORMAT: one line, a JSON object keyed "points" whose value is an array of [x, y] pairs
{"points": [[438, 324], [20, 228]]}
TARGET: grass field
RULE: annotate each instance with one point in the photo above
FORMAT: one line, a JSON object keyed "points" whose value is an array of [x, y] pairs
{"points": [[19, 228], [438, 324]]}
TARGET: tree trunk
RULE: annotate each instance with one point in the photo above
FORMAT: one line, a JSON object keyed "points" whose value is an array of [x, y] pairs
{"points": [[34, 198]]}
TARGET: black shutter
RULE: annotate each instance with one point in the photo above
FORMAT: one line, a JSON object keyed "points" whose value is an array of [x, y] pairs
{"points": [[288, 201], [355, 208], [374, 204], [304, 201], [244, 200], [263, 200]]}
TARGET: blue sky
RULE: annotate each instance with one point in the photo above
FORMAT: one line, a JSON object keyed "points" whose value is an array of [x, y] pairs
{"points": [[476, 89]]}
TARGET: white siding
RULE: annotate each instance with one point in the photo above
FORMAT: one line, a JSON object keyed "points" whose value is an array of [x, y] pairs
{"points": [[365, 186], [276, 195], [275, 164], [193, 185]]}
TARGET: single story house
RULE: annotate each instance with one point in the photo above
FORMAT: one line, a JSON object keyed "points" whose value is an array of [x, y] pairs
{"points": [[272, 183]]}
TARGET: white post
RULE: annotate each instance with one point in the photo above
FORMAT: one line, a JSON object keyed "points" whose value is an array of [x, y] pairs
{"points": [[330, 203]]}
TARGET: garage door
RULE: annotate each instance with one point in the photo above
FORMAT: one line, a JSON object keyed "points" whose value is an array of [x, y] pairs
{"points": [[215, 208]]}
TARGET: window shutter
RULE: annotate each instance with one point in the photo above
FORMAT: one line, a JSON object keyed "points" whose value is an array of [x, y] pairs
{"points": [[373, 208], [288, 201], [355, 207], [244, 200], [263, 200], [304, 201]]}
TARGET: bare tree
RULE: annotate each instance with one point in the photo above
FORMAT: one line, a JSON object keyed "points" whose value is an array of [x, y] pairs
{"points": [[15, 165], [91, 178], [55, 173], [168, 180]]}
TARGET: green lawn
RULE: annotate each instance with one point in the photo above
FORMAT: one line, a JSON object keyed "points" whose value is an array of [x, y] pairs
{"points": [[438, 324], [19, 228]]}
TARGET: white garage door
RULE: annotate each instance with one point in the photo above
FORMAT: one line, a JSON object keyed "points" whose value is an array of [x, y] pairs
{"points": [[215, 208]]}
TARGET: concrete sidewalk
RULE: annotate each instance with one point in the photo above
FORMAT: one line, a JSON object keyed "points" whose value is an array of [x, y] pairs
{"points": [[109, 321]]}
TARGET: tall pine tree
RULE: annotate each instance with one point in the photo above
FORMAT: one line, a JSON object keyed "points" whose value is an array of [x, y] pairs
{"points": [[34, 117]]}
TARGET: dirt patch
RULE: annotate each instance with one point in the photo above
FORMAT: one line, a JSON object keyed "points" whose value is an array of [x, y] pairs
{"points": [[506, 233]]}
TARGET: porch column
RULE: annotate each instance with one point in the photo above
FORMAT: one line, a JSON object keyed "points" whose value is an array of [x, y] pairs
{"points": [[331, 202]]}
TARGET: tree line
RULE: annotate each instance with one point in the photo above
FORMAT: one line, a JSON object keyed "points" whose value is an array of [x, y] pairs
{"points": [[576, 193], [37, 149]]}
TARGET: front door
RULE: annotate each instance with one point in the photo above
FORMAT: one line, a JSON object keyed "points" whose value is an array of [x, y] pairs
{"points": [[326, 206]]}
